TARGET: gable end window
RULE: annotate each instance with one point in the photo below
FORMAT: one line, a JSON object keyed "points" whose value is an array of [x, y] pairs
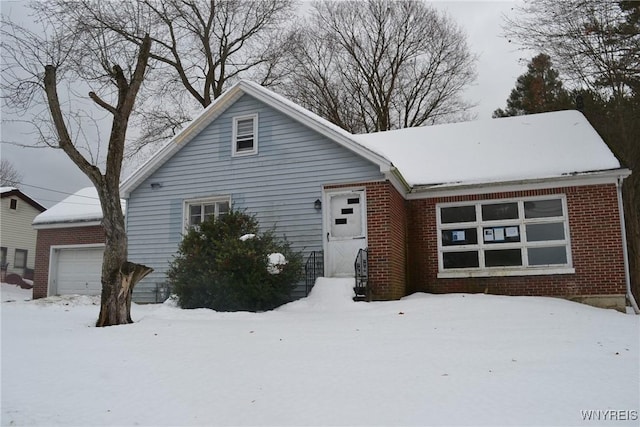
{"points": [[13, 204], [197, 211], [518, 236], [245, 135]]}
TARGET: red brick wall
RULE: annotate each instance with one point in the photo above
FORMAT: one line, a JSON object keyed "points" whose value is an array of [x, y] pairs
{"points": [[54, 237], [596, 248], [386, 239]]}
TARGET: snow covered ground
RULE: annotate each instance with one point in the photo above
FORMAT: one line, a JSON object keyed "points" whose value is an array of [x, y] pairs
{"points": [[324, 360]]}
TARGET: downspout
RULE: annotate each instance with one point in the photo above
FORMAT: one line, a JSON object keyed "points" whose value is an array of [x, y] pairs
{"points": [[627, 277]]}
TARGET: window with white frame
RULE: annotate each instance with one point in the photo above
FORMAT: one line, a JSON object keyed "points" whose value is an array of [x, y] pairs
{"points": [[245, 135], [197, 211], [529, 233]]}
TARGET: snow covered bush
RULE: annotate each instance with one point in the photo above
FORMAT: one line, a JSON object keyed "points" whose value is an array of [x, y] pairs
{"points": [[228, 264]]}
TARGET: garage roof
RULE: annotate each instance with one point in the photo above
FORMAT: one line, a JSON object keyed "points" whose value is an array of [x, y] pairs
{"points": [[81, 207]]}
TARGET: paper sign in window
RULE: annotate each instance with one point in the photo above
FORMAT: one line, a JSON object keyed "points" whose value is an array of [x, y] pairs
{"points": [[488, 235], [498, 234], [458, 236], [511, 232]]}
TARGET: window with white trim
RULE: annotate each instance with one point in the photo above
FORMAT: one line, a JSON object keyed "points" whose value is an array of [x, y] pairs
{"points": [[245, 135], [494, 235], [197, 211]]}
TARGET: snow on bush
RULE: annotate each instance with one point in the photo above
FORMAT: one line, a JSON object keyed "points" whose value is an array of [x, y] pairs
{"points": [[276, 263]]}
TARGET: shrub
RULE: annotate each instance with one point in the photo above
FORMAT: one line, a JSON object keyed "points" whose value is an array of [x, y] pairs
{"points": [[216, 269]]}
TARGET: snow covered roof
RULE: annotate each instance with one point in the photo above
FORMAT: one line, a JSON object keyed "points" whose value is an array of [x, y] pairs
{"points": [[82, 206], [6, 189], [534, 146]]}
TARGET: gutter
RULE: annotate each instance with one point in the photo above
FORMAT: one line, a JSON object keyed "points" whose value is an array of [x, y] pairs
{"points": [[565, 179], [627, 277]]}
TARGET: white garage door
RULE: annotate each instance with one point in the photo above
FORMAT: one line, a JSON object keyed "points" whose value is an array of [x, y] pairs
{"points": [[79, 271]]}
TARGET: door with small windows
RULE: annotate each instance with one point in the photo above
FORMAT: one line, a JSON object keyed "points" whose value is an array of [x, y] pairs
{"points": [[345, 231]]}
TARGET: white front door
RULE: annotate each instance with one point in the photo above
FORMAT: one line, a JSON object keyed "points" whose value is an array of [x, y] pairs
{"points": [[346, 231]]}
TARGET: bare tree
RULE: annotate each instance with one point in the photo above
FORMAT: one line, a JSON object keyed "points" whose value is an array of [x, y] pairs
{"points": [[591, 41], [596, 44], [198, 46], [36, 66], [379, 65], [9, 175]]}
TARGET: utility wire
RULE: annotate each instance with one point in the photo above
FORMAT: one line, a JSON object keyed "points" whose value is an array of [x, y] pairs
{"points": [[58, 191]]}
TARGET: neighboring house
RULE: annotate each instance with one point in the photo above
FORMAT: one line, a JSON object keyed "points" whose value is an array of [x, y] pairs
{"points": [[17, 237], [526, 205]]}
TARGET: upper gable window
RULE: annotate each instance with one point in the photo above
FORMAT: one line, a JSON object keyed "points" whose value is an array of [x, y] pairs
{"points": [[13, 204], [245, 135]]}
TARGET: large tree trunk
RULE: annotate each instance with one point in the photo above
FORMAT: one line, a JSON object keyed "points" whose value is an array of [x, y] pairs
{"points": [[118, 275], [117, 289]]}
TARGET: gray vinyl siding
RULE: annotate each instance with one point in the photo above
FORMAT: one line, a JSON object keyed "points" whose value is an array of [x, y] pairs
{"points": [[279, 185]]}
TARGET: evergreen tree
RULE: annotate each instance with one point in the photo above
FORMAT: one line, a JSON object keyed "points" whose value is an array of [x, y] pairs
{"points": [[538, 90], [227, 264]]}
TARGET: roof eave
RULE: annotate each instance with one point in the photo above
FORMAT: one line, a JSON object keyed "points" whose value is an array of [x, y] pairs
{"points": [[568, 179], [67, 224], [19, 194]]}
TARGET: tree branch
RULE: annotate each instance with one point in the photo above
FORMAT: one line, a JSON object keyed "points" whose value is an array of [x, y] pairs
{"points": [[64, 139]]}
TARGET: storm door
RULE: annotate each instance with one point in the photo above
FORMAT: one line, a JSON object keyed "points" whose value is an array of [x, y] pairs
{"points": [[345, 231]]}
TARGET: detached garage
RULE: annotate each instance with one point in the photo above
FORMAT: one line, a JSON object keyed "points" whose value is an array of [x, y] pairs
{"points": [[69, 247]]}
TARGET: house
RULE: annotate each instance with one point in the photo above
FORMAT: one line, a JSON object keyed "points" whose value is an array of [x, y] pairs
{"points": [[17, 238], [517, 206]]}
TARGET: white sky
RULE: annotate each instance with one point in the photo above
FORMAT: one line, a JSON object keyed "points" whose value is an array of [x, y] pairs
{"points": [[498, 67]]}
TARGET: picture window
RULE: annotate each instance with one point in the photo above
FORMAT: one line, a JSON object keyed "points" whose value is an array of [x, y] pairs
{"points": [[493, 235]]}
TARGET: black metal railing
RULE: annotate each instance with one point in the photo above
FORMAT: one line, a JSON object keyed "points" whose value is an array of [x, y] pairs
{"points": [[361, 266], [313, 269]]}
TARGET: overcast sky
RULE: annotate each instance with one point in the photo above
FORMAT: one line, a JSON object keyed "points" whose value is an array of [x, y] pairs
{"points": [[49, 176]]}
